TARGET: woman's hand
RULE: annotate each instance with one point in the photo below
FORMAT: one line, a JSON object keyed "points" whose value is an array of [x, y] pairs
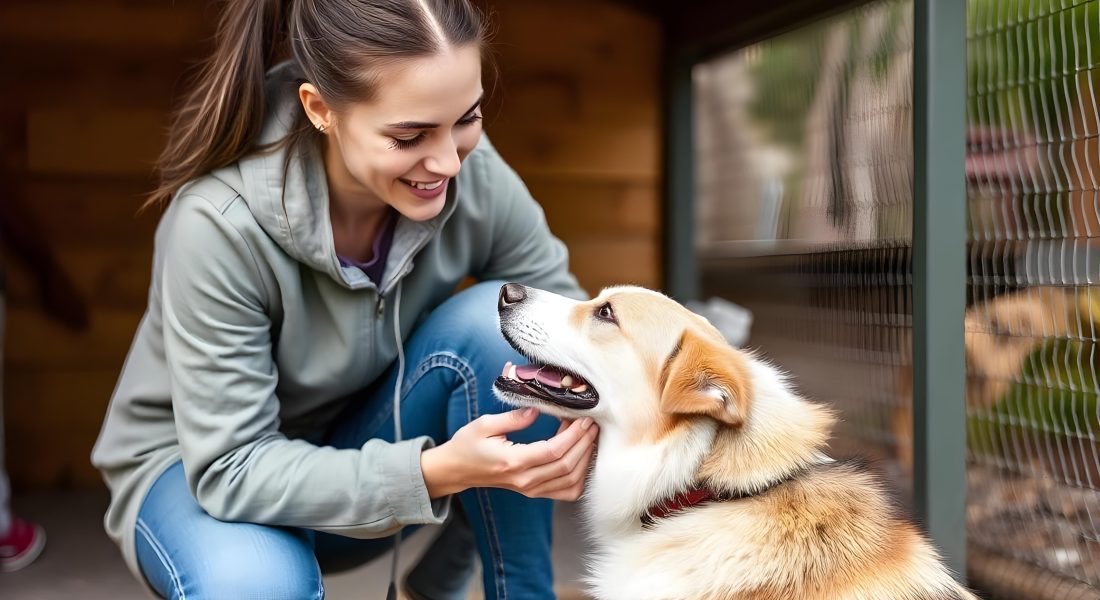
{"points": [[480, 456]]}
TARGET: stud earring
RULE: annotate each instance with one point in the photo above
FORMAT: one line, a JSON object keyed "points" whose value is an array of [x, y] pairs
{"points": [[321, 128]]}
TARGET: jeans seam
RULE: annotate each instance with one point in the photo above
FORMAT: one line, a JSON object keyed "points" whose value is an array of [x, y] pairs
{"points": [[432, 361], [485, 504], [162, 555], [486, 507]]}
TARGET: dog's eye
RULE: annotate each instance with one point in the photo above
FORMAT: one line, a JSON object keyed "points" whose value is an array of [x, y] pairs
{"points": [[605, 313]]}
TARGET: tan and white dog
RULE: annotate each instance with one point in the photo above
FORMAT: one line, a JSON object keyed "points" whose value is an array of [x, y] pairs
{"points": [[710, 481]]}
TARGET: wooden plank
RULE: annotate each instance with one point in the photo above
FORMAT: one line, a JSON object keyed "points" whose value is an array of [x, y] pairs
{"points": [[52, 418], [82, 212], [598, 263], [74, 141], [585, 61], [626, 152], [106, 277], [106, 22], [554, 100], [594, 37], [64, 398], [13, 142], [94, 76], [45, 456], [33, 340], [575, 209]]}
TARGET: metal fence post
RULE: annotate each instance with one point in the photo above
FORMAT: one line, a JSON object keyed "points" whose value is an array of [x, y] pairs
{"points": [[939, 274], [681, 272]]}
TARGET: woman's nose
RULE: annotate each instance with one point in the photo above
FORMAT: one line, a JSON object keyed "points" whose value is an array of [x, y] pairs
{"points": [[444, 160]]}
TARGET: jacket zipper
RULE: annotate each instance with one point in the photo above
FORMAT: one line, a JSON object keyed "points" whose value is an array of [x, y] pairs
{"points": [[406, 269]]}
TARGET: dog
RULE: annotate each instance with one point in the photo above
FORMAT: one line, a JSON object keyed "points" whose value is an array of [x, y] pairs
{"points": [[710, 480], [1000, 334]]}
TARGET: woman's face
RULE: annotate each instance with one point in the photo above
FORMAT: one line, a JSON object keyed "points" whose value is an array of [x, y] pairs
{"points": [[402, 147]]}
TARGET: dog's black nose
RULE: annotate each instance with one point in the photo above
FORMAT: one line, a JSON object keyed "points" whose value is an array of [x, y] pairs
{"points": [[510, 293]]}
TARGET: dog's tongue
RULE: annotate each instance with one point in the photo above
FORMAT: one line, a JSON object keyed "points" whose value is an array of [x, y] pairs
{"points": [[545, 375]]}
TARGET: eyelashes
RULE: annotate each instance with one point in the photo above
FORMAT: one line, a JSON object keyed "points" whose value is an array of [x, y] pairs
{"points": [[406, 144]]}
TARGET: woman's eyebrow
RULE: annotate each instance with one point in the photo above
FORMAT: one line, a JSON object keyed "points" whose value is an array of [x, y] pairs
{"points": [[422, 125]]}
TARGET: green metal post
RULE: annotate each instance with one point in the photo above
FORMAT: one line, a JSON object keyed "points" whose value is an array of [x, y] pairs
{"points": [[939, 274], [681, 272]]}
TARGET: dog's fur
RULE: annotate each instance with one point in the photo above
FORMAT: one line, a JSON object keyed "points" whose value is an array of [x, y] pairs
{"points": [[678, 408]]}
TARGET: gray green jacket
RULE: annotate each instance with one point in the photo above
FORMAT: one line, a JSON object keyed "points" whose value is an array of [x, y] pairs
{"points": [[255, 336]]}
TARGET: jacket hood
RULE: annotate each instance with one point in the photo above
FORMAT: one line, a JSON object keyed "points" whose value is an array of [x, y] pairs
{"points": [[290, 200]]}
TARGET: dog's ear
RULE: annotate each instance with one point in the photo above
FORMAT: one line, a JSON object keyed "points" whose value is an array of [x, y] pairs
{"points": [[705, 377]]}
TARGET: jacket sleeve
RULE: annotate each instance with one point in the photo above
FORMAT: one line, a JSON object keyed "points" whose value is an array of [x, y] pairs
{"points": [[218, 347], [523, 248]]}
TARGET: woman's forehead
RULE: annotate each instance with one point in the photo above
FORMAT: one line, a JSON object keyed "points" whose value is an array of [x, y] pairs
{"points": [[432, 88]]}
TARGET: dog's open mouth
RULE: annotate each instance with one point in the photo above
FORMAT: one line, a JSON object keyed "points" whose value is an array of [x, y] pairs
{"points": [[548, 383]]}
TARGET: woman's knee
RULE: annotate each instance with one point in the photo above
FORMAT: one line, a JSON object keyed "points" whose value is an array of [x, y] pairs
{"points": [[184, 552], [476, 305], [469, 322], [276, 573]]}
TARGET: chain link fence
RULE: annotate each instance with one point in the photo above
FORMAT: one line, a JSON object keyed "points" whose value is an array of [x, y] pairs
{"points": [[804, 178]]}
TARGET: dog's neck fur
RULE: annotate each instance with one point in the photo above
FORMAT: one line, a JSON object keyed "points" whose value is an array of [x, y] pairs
{"points": [[782, 434]]}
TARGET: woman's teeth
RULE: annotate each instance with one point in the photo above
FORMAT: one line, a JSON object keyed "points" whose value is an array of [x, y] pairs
{"points": [[425, 186]]}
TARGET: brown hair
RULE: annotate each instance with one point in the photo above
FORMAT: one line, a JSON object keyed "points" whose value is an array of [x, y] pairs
{"points": [[337, 44]]}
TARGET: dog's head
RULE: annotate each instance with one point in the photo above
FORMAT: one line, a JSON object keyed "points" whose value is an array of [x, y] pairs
{"points": [[631, 357]]}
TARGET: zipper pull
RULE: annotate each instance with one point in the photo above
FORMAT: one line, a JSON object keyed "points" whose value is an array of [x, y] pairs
{"points": [[381, 306]]}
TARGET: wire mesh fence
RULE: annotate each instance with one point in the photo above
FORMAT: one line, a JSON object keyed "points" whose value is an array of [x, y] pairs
{"points": [[803, 145], [804, 212], [1032, 415]]}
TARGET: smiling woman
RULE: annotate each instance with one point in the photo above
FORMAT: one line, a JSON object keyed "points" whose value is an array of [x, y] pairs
{"points": [[320, 212]]}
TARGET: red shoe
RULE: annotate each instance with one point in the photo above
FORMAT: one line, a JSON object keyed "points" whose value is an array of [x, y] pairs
{"points": [[21, 546]]}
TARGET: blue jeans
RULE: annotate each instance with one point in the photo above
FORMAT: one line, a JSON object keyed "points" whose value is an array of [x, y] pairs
{"points": [[451, 362]]}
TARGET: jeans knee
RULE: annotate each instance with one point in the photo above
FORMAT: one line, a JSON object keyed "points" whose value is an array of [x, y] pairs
{"points": [[473, 311], [271, 578], [478, 303]]}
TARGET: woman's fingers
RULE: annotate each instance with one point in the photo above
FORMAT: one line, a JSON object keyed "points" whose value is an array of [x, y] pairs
{"points": [[561, 473], [505, 422], [569, 485], [526, 456]]}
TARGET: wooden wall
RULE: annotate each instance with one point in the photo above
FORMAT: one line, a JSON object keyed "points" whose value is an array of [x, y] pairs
{"points": [[87, 88]]}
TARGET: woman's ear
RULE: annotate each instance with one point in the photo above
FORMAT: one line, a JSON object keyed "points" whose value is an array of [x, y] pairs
{"points": [[705, 377], [316, 109]]}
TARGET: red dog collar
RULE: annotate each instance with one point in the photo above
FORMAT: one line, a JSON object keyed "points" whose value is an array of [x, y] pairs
{"points": [[702, 495], [678, 503]]}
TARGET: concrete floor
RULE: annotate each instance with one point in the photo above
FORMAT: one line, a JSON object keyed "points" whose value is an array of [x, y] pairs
{"points": [[80, 562]]}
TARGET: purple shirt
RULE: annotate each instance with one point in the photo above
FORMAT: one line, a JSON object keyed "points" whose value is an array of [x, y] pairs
{"points": [[376, 266]]}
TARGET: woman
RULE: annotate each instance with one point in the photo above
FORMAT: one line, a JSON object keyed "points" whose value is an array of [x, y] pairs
{"points": [[301, 309]]}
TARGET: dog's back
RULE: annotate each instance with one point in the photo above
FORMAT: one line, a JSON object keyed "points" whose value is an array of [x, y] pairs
{"points": [[828, 534]]}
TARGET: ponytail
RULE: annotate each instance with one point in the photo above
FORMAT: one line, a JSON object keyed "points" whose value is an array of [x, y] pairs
{"points": [[223, 113]]}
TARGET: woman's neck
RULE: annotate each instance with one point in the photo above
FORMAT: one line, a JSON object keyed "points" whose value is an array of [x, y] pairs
{"points": [[354, 232], [357, 218]]}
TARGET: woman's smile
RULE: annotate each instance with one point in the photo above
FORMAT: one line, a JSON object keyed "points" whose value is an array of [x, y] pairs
{"points": [[426, 190]]}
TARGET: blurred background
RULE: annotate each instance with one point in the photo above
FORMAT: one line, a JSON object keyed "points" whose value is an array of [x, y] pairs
{"points": [[754, 157]]}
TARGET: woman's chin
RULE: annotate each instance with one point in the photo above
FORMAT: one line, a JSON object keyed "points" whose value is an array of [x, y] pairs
{"points": [[423, 210]]}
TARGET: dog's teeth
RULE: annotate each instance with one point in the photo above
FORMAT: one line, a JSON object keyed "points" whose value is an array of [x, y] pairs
{"points": [[579, 389], [566, 381], [504, 371], [512, 371]]}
